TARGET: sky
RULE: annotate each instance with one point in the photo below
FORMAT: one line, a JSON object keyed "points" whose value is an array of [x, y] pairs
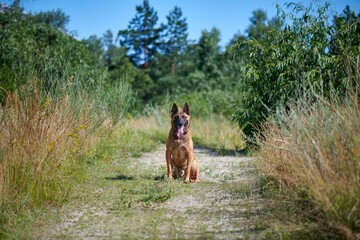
{"points": [[89, 17]]}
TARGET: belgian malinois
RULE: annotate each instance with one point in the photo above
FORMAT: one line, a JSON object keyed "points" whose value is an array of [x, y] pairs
{"points": [[180, 158]]}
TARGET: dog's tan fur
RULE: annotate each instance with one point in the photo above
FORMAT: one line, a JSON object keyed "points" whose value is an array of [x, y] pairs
{"points": [[180, 158]]}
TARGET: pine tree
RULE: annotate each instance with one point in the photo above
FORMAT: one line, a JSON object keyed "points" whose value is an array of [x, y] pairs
{"points": [[96, 47], [56, 18], [208, 51], [142, 37], [176, 35], [258, 26]]}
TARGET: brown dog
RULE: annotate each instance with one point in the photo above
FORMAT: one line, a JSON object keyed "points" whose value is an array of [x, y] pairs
{"points": [[179, 147]]}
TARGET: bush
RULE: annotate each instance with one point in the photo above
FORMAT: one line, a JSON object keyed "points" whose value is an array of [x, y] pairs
{"points": [[31, 48], [310, 55]]}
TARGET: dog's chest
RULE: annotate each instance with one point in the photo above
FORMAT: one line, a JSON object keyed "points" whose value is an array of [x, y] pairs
{"points": [[179, 152], [179, 155]]}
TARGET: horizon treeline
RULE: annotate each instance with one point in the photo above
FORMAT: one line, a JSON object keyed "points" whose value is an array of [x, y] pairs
{"points": [[305, 50], [159, 59]]}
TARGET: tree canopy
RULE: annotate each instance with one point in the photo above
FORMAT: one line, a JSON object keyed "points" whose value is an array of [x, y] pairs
{"points": [[142, 37]]}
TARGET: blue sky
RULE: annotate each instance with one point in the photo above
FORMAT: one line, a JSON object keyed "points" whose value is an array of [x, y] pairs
{"points": [[88, 17]]}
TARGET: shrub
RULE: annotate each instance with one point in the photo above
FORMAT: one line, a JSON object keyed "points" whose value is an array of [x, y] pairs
{"points": [[310, 55], [31, 48]]}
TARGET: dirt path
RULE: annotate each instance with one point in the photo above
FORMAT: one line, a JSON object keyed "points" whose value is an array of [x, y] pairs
{"points": [[130, 199]]}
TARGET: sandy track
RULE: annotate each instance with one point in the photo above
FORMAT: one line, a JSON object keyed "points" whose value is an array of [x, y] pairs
{"points": [[218, 207]]}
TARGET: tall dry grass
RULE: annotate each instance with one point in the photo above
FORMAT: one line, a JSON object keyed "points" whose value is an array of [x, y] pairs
{"points": [[213, 131], [313, 150], [40, 141], [219, 133]]}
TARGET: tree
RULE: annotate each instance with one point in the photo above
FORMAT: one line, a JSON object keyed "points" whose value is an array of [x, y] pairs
{"points": [[258, 26], [176, 36], [120, 68], [112, 53], [142, 37], [237, 37], [95, 45], [349, 47], [208, 53], [108, 39], [56, 18]]}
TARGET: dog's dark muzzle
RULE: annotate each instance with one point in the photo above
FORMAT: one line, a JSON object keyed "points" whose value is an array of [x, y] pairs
{"points": [[180, 121]]}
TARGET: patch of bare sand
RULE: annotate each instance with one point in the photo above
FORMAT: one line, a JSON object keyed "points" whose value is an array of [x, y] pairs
{"points": [[218, 207]]}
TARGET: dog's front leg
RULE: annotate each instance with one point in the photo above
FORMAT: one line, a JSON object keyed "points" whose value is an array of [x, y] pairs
{"points": [[189, 164], [168, 164]]}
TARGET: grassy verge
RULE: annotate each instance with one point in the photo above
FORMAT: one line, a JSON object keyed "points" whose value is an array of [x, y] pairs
{"points": [[92, 163], [40, 152], [47, 138], [312, 154]]}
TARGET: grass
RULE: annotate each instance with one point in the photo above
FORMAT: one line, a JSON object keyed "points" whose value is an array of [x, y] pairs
{"points": [[214, 131], [312, 152], [218, 133], [96, 157], [76, 169], [42, 145], [48, 139]]}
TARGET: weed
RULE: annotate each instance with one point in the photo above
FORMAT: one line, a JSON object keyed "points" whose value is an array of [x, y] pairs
{"points": [[158, 195]]}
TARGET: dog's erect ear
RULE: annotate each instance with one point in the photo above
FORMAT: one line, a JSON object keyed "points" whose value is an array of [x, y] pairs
{"points": [[174, 109], [186, 109]]}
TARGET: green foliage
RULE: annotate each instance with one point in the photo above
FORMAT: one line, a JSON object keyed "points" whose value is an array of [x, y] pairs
{"points": [[119, 66], [175, 37], [258, 27], [57, 93], [30, 48], [118, 100], [142, 37], [208, 53], [308, 55], [175, 33], [57, 19], [95, 45]]}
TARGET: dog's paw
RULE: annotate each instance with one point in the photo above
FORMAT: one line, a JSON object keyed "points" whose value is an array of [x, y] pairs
{"points": [[169, 180], [186, 181]]}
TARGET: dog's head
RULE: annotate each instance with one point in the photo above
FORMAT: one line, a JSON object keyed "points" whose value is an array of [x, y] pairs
{"points": [[180, 120]]}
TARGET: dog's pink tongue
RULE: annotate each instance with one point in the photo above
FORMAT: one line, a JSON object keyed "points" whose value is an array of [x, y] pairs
{"points": [[180, 132]]}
